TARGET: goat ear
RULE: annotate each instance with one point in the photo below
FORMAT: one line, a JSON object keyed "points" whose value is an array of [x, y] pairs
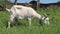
{"points": [[45, 15]]}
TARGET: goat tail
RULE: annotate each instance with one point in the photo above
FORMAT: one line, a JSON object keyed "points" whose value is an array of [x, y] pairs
{"points": [[8, 9]]}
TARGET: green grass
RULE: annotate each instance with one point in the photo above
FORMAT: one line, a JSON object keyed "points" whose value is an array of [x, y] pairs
{"points": [[36, 28]]}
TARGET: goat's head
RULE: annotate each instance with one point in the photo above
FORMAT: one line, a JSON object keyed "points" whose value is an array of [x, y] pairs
{"points": [[44, 19]]}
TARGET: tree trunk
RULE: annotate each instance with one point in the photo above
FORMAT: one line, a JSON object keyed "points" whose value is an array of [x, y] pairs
{"points": [[33, 0], [38, 4], [15, 3], [4, 4]]}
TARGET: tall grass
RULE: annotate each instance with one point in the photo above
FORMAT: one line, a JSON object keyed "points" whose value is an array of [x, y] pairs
{"points": [[36, 28]]}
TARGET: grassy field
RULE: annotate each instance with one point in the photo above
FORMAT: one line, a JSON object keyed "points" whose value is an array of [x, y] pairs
{"points": [[36, 28]]}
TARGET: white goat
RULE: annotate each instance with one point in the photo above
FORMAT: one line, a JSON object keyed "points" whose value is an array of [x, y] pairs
{"points": [[22, 12]]}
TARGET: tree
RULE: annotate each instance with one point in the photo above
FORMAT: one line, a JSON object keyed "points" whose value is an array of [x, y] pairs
{"points": [[58, 2], [15, 2], [38, 4], [4, 4]]}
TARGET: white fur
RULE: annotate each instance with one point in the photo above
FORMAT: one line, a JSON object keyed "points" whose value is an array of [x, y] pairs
{"points": [[45, 20], [22, 12]]}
